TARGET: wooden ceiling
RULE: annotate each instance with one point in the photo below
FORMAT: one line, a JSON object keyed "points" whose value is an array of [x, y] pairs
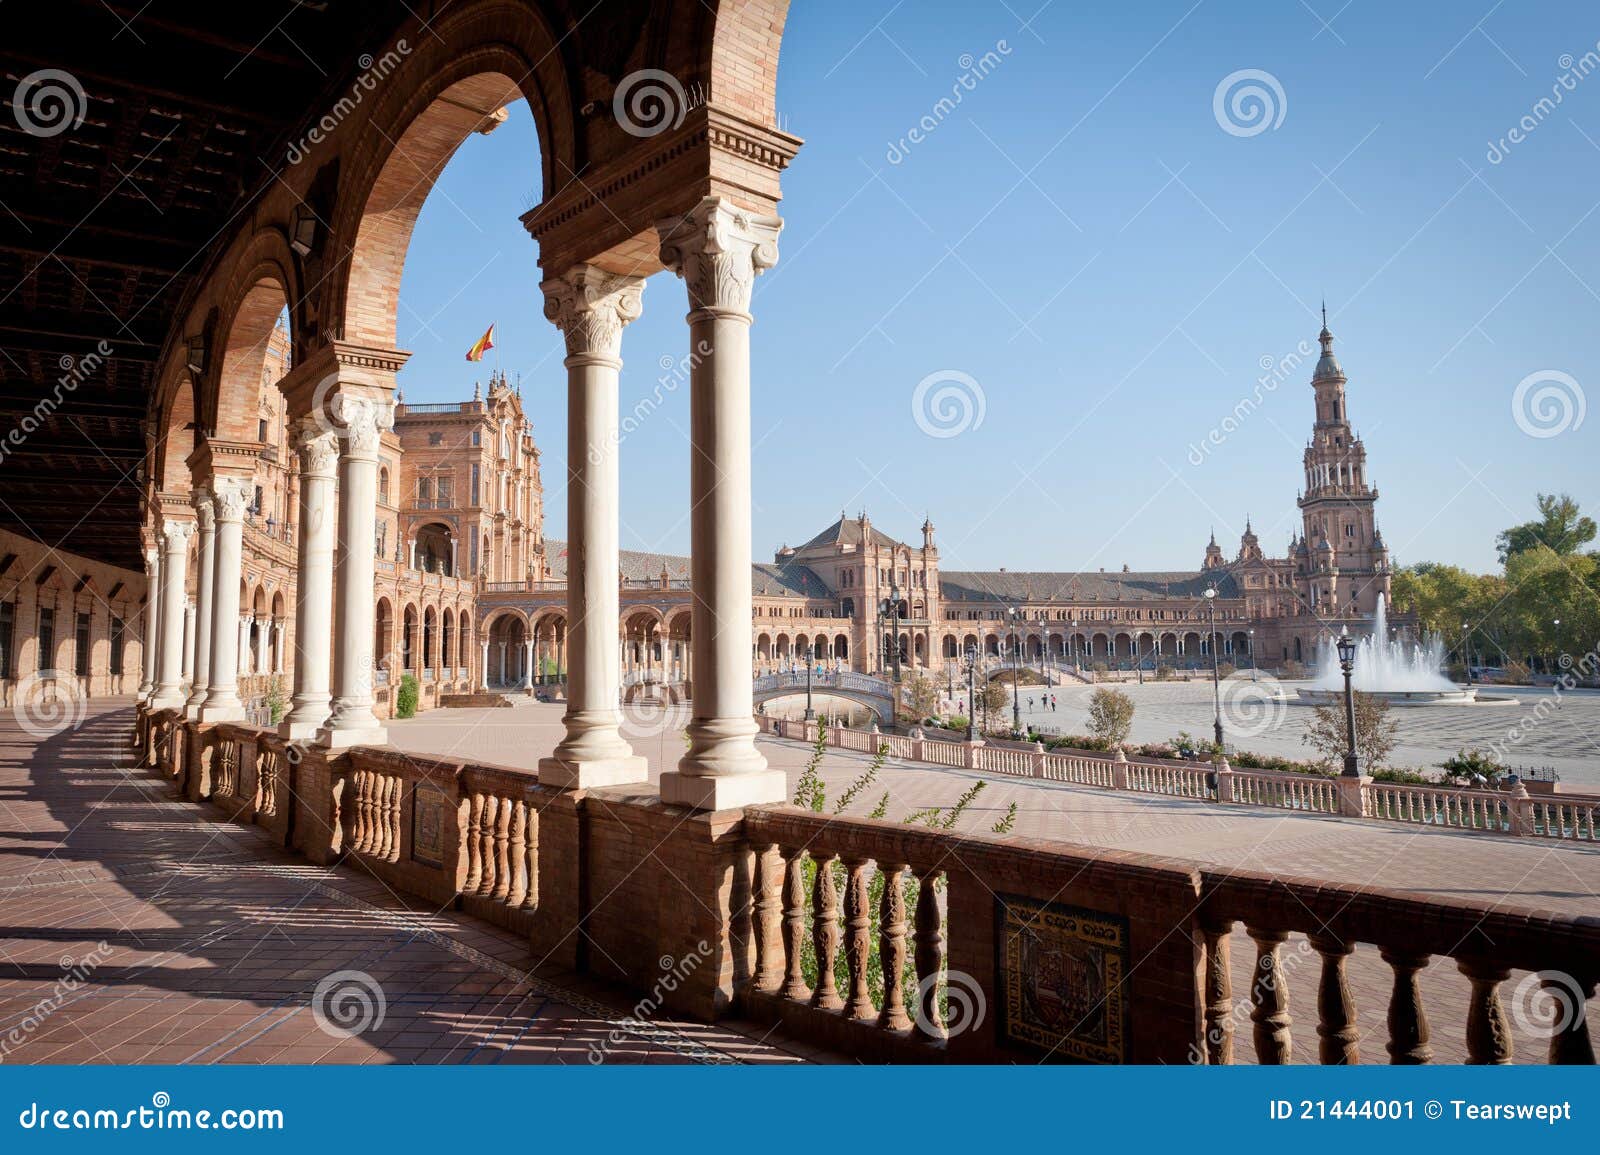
{"points": [[106, 222]]}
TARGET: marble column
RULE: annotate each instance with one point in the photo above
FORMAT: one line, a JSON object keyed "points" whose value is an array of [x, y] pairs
{"points": [[152, 619], [206, 529], [363, 421], [718, 249], [168, 693], [222, 703], [591, 308], [188, 643], [527, 676]]}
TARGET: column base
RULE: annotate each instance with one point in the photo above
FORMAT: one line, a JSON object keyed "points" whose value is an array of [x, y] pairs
{"points": [[725, 791], [291, 731], [191, 708], [588, 773], [344, 739], [173, 699], [222, 712]]}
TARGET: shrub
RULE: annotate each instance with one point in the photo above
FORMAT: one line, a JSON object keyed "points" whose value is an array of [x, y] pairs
{"points": [[277, 702], [1465, 765], [405, 698], [1376, 732], [1225, 670]]}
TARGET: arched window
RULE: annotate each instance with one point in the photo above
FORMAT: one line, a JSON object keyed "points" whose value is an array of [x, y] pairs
{"points": [[383, 486]]}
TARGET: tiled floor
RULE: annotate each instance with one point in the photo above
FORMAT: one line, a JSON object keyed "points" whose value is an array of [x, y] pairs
{"points": [[135, 929]]}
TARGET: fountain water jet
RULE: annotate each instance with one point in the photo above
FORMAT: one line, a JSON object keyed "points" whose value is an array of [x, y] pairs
{"points": [[1401, 672]]}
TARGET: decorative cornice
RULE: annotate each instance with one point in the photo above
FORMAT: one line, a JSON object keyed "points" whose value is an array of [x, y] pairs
{"points": [[706, 127]]}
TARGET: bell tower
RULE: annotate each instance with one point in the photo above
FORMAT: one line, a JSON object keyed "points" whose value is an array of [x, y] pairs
{"points": [[1339, 504]]}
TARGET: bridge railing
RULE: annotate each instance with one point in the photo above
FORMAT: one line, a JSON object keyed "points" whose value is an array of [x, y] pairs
{"points": [[1513, 812]]}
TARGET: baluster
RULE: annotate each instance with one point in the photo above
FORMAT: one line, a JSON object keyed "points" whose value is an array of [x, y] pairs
{"points": [[1488, 1032], [502, 863], [794, 923], [491, 804], [1218, 994], [1269, 997], [391, 817], [1336, 1005], [1570, 1045], [529, 850], [767, 915], [474, 859], [516, 888], [825, 932], [929, 958], [1408, 1024], [892, 946], [858, 939]]}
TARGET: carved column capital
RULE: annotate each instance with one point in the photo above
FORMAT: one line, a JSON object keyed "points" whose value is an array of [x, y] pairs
{"points": [[229, 501], [201, 500], [318, 447], [363, 421], [718, 248], [175, 535], [591, 307]]}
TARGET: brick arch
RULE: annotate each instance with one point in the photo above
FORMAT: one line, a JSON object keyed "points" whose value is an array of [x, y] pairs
{"points": [[741, 55], [173, 419], [475, 59]]}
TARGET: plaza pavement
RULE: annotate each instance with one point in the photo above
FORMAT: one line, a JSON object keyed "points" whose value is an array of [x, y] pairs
{"points": [[216, 941], [1495, 870]]}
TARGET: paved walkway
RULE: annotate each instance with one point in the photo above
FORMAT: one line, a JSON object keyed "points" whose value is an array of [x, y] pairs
{"points": [[1510, 871], [137, 930]]}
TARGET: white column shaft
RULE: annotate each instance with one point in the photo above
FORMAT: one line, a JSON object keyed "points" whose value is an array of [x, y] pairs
{"points": [[202, 595], [174, 575], [222, 683], [152, 619]]}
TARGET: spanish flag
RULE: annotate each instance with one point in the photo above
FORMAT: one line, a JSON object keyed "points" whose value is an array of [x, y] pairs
{"points": [[485, 343]]}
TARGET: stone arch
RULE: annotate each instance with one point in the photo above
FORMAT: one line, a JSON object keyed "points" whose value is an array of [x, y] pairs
{"points": [[175, 424], [430, 636], [434, 548], [384, 638]]}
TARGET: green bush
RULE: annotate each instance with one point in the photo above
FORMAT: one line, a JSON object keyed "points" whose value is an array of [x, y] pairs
{"points": [[277, 703], [405, 698]]}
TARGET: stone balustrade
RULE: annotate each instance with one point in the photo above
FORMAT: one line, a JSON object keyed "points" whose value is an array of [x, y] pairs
{"points": [[883, 940], [1509, 812]]}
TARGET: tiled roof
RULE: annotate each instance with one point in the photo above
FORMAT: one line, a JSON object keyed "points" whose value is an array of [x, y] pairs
{"points": [[848, 531], [1023, 586], [767, 580]]}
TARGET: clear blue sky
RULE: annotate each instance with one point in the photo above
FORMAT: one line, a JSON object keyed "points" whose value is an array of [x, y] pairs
{"points": [[1083, 240]]}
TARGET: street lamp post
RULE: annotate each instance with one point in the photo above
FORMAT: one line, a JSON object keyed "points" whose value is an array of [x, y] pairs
{"points": [[894, 645], [1347, 663], [1466, 656], [811, 654], [1252, 653], [1016, 672], [1216, 681], [1556, 625], [1138, 661], [972, 701], [1074, 643]]}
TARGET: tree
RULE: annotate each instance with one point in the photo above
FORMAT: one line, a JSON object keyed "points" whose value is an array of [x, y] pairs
{"points": [[922, 696], [994, 699], [1110, 715], [1376, 732], [1559, 527], [405, 698]]}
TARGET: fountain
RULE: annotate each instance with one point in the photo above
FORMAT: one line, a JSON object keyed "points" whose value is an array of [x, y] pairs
{"points": [[1401, 672]]}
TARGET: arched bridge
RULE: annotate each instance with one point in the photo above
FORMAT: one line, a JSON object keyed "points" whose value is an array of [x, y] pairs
{"points": [[876, 694]]}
